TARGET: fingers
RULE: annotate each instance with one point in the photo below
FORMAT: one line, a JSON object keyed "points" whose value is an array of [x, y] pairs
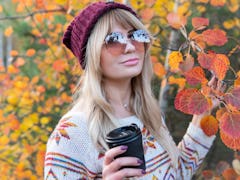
{"points": [[112, 153], [113, 168], [128, 172], [120, 162]]}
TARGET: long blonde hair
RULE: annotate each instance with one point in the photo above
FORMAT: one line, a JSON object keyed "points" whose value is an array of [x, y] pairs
{"points": [[90, 96]]}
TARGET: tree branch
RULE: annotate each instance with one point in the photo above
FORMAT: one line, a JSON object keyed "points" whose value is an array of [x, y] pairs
{"points": [[32, 14]]}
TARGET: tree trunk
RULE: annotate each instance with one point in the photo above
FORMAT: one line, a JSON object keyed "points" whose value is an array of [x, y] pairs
{"points": [[164, 87]]}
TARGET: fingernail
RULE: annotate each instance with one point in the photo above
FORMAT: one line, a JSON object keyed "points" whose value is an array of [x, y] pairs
{"points": [[124, 148], [143, 172], [139, 161]]}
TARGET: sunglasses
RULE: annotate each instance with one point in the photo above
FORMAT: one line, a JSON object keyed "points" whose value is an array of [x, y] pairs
{"points": [[116, 42]]}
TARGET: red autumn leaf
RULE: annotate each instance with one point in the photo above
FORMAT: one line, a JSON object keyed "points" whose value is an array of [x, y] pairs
{"points": [[182, 99], [209, 125], [220, 65], [230, 124], [230, 142], [199, 23], [205, 60], [233, 97], [220, 113], [196, 76], [176, 21], [191, 101], [215, 37], [187, 64]]}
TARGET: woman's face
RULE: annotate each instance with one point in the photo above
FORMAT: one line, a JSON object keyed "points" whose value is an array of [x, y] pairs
{"points": [[121, 61]]}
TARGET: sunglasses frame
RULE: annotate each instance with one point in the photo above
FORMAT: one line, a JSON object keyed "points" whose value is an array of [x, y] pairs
{"points": [[116, 42]]}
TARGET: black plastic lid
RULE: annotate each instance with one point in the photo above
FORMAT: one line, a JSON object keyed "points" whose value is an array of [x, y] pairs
{"points": [[123, 133]]}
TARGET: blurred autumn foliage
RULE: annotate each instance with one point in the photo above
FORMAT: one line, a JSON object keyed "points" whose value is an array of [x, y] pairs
{"points": [[38, 74]]}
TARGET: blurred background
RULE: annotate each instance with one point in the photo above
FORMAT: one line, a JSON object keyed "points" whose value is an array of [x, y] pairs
{"points": [[38, 74]]}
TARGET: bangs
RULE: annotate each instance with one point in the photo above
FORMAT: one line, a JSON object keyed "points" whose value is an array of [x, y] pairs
{"points": [[124, 18]]}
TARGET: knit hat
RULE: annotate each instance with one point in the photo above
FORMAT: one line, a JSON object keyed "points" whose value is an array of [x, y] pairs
{"points": [[76, 36]]}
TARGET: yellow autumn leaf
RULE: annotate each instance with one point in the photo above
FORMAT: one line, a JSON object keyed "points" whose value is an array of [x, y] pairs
{"points": [[44, 120], [233, 5], [229, 24], [61, 2], [13, 99], [181, 82], [4, 140], [1, 8], [8, 32], [174, 60]]}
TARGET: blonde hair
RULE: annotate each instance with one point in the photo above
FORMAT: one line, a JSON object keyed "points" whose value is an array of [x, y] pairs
{"points": [[91, 99]]}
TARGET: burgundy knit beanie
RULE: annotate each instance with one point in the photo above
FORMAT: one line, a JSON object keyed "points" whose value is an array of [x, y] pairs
{"points": [[76, 36]]}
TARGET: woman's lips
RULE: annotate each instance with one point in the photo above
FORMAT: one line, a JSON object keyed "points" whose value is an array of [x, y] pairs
{"points": [[131, 62]]}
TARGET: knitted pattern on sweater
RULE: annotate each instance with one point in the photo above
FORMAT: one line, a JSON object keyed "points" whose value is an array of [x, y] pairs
{"points": [[71, 154]]}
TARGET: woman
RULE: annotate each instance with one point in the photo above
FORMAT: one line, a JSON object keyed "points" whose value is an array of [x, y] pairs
{"points": [[112, 46]]}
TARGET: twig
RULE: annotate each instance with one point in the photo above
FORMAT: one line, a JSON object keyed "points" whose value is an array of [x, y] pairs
{"points": [[32, 14]]}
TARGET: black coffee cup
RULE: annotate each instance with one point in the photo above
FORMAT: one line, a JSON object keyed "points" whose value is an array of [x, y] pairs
{"points": [[131, 137]]}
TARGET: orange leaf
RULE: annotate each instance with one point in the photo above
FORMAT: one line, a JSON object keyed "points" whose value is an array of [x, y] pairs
{"points": [[233, 97], [147, 14], [1, 8], [229, 174], [191, 101], [198, 40], [59, 65], [30, 52], [215, 37], [196, 76], [14, 53], [209, 125], [237, 81], [8, 32], [174, 59], [202, 1], [176, 21], [159, 69], [199, 23], [14, 124], [217, 2], [220, 65]]}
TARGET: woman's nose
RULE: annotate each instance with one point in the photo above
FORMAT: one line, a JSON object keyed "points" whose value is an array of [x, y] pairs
{"points": [[129, 47]]}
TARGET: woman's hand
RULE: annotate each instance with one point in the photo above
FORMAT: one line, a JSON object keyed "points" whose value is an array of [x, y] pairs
{"points": [[112, 167]]}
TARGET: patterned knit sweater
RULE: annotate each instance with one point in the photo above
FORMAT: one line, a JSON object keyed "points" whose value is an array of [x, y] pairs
{"points": [[72, 156]]}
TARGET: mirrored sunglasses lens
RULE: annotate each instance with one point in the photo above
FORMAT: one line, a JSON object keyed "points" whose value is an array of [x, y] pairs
{"points": [[115, 37], [141, 36]]}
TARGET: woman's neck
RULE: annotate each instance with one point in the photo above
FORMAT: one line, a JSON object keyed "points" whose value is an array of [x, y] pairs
{"points": [[118, 94]]}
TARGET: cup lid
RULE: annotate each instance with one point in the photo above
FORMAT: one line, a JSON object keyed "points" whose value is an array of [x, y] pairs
{"points": [[123, 133]]}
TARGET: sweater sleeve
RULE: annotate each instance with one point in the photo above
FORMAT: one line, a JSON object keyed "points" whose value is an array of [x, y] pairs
{"points": [[70, 153], [193, 149]]}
